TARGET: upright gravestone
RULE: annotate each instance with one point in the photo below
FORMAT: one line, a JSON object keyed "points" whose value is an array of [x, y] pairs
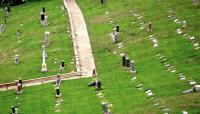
{"points": [[94, 72], [184, 24], [44, 65], [58, 80], [7, 11], [102, 1], [117, 29], [42, 16], [43, 9], [133, 67], [16, 59], [18, 32], [149, 26], [1, 28], [19, 86], [44, 50], [58, 93], [123, 56], [62, 67], [13, 110], [46, 40], [127, 63], [98, 85], [45, 21], [105, 108]]}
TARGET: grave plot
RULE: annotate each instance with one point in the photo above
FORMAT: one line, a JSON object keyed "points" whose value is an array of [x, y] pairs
{"points": [[42, 99], [138, 46], [29, 42]]}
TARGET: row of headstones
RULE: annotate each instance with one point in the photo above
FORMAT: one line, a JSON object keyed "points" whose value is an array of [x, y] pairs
{"points": [[149, 92], [19, 90], [106, 106], [7, 14], [183, 31], [172, 69]]}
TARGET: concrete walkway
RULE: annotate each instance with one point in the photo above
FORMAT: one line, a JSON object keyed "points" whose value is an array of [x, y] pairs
{"points": [[81, 43]]}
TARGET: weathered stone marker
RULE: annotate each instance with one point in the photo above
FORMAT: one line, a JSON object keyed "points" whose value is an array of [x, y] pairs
{"points": [[98, 85], [44, 65], [62, 67], [184, 24], [94, 72], [42, 16], [133, 70], [16, 59], [117, 28], [19, 86], [58, 93], [18, 32], [45, 21], [102, 1], [13, 110], [58, 80], [123, 56], [46, 40], [43, 9], [1, 28], [149, 26], [105, 108], [127, 63]]}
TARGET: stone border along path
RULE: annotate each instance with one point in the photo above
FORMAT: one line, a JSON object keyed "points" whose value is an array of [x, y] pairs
{"points": [[81, 43]]}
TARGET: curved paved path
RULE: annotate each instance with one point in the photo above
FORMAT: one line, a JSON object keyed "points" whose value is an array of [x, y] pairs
{"points": [[81, 43]]}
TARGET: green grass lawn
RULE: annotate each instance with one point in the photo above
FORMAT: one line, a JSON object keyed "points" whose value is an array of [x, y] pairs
{"points": [[151, 72], [117, 85], [30, 47], [77, 99]]}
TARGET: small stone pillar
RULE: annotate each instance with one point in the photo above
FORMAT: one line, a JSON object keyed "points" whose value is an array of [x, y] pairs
{"points": [[46, 40], [19, 86], [43, 9], [133, 67], [98, 85], [117, 28], [46, 21], [1, 28], [44, 65], [18, 32], [13, 110], [184, 24], [62, 67], [149, 26], [16, 59], [94, 72], [58, 93], [123, 56], [102, 1], [127, 63], [42, 16]]}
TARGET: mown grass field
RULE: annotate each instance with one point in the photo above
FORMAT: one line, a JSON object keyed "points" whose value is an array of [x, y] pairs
{"points": [[118, 87], [167, 87], [30, 47], [77, 99]]}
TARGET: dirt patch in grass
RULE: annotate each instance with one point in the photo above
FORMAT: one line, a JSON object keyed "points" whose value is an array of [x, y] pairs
{"points": [[188, 101], [3, 57], [97, 19]]}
